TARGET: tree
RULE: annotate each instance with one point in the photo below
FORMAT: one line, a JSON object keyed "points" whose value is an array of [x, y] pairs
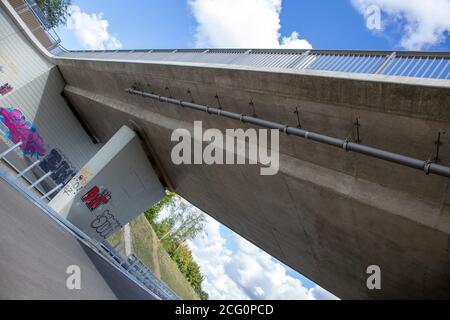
{"points": [[203, 295], [55, 11], [153, 212], [181, 221], [190, 269], [184, 221]]}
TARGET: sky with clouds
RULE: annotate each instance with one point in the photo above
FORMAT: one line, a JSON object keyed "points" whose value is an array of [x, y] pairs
{"points": [[91, 30], [321, 24], [234, 268]]}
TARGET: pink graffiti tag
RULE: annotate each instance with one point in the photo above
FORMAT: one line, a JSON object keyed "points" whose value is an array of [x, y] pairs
{"points": [[21, 130]]}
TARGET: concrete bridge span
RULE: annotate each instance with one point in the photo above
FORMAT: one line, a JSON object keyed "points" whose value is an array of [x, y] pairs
{"points": [[327, 214]]}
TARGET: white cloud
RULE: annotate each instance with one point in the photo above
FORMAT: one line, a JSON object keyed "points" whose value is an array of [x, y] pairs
{"points": [[211, 254], [293, 42], [241, 24], [91, 30], [247, 272], [424, 22]]}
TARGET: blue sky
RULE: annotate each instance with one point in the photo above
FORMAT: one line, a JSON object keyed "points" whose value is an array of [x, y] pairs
{"points": [[325, 24], [234, 268]]}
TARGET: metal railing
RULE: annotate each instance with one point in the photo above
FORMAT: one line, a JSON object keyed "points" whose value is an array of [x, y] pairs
{"points": [[140, 271], [72, 229], [40, 177], [39, 14], [403, 64], [431, 65], [55, 41], [131, 265]]}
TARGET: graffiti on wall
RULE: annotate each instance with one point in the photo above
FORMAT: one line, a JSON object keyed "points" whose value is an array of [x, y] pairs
{"points": [[105, 223], [56, 162], [94, 198], [21, 130], [5, 89], [76, 184]]}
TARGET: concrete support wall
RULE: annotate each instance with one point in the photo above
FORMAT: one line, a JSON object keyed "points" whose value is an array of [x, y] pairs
{"points": [[328, 214]]}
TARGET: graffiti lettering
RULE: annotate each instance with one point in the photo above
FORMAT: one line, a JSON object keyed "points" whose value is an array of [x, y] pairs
{"points": [[78, 183], [73, 187], [105, 224], [94, 198], [63, 173], [5, 89], [62, 170], [21, 130]]}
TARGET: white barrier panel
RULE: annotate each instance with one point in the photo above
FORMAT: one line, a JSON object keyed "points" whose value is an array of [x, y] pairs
{"points": [[114, 187]]}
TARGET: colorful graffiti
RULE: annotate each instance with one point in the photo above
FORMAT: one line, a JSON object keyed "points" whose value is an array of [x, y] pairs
{"points": [[56, 162], [21, 130], [77, 183], [94, 198], [5, 89], [105, 223]]}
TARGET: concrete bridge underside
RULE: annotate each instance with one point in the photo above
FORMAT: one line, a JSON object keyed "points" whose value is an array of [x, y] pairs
{"points": [[328, 214]]}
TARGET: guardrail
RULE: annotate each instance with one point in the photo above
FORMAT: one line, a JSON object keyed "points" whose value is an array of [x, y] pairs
{"points": [[23, 173], [132, 266], [420, 65], [140, 271], [72, 229], [54, 44], [416, 64], [432, 65]]}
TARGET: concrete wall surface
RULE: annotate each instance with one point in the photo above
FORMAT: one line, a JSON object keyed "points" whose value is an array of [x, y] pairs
{"points": [[36, 254], [327, 214], [35, 90]]}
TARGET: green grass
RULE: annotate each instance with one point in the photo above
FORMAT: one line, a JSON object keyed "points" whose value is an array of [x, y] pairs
{"points": [[171, 275], [147, 248], [144, 242], [118, 237]]}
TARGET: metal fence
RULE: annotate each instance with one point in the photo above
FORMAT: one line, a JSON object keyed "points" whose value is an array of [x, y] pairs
{"points": [[403, 64], [44, 32], [140, 271], [432, 65], [131, 265], [39, 176], [73, 230]]}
